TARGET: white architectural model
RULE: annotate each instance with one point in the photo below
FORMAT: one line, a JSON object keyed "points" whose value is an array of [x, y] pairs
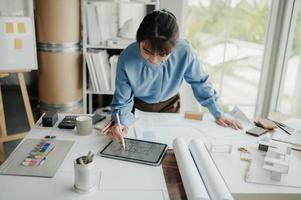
{"points": [[277, 161]]}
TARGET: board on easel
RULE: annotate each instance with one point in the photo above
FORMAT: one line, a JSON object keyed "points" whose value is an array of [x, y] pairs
{"points": [[17, 44], [17, 54]]}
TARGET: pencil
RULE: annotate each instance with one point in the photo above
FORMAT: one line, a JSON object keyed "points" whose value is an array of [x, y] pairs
{"points": [[118, 123], [106, 128], [282, 128]]}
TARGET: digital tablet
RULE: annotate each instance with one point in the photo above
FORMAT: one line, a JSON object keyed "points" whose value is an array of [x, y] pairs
{"points": [[139, 151]]}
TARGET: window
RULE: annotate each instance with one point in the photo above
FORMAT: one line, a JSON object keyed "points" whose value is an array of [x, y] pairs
{"points": [[289, 100], [229, 38]]}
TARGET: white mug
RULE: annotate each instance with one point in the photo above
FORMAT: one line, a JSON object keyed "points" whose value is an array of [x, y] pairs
{"points": [[84, 125], [84, 176]]}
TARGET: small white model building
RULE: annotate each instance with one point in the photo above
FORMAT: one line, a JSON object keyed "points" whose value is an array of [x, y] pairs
{"points": [[277, 161]]}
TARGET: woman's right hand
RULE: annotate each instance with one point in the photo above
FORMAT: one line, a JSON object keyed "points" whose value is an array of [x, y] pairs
{"points": [[115, 133]]}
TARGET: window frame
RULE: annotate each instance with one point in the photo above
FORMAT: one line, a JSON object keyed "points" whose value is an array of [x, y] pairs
{"points": [[279, 37], [278, 40]]}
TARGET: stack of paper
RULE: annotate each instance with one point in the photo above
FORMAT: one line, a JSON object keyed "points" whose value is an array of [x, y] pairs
{"points": [[101, 20], [113, 63], [99, 70], [165, 127], [92, 25]]}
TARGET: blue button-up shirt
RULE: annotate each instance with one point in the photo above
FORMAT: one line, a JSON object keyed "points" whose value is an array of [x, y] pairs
{"points": [[154, 83]]}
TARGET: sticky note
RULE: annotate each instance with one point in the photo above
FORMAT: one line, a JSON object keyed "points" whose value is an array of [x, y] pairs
{"points": [[9, 27], [18, 44], [21, 28]]}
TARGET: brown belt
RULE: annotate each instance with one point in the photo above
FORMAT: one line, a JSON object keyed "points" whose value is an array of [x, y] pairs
{"points": [[171, 105]]}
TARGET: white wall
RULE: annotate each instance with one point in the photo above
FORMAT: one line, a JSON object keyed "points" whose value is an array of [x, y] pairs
{"points": [[179, 9]]}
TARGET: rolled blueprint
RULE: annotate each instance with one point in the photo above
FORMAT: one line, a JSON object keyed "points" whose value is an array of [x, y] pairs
{"points": [[193, 183], [214, 182]]}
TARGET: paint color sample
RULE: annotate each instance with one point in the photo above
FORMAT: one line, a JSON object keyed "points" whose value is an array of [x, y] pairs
{"points": [[21, 28], [9, 27], [18, 44]]}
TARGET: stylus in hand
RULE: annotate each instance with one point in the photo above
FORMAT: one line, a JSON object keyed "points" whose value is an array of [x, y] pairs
{"points": [[118, 123]]}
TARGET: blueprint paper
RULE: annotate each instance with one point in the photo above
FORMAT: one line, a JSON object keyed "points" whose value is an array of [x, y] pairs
{"points": [[194, 186], [213, 180]]}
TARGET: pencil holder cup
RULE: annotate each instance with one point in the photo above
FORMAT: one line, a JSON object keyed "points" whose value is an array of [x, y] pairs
{"points": [[84, 175]]}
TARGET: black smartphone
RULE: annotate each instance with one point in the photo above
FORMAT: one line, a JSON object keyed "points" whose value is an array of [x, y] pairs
{"points": [[256, 131], [97, 118]]}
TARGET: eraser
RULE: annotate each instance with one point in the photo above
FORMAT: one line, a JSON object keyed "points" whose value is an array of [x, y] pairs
{"points": [[193, 115]]}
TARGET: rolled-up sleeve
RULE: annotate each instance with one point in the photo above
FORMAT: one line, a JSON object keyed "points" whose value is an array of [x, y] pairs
{"points": [[122, 102], [201, 86]]}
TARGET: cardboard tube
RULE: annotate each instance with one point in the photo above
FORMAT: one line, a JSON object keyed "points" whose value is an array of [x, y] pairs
{"points": [[60, 77], [57, 21]]}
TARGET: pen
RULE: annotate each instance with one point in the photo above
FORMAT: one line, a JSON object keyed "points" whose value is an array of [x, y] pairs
{"points": [[281, 124], [105, 130], [42, 161], [118, 123], [81, 161], [286, 127], [282, 128]]}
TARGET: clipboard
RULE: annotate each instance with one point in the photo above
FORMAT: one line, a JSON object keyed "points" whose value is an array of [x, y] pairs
{"points": [[138, 151]]}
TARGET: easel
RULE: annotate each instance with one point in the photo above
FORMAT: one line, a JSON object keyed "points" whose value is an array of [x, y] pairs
{"points": [[20, 26], [3, 131]]}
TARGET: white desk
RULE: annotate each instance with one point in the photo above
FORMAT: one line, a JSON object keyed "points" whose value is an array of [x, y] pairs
{"points": [[233, 170], [230, 166], [136, 181], [116, 178]]}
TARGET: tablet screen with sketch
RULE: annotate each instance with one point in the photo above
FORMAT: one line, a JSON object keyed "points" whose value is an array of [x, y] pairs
{"points": [[145, 152]]}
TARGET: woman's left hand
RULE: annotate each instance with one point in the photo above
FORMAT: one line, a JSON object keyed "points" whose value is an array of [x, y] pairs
{"points": [[226, 122]]}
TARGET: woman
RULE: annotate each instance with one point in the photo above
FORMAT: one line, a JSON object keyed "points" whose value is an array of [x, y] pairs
{"points": [[151, 70]]}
